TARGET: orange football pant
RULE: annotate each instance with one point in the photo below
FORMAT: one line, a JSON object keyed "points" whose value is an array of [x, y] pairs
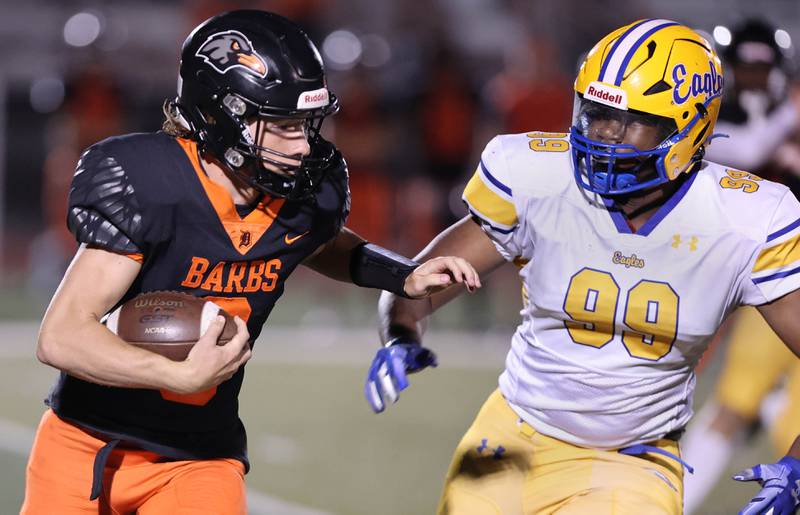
{"points": [[59, 479]]}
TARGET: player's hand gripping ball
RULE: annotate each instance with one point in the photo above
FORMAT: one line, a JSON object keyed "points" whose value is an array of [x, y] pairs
{"points": [[167, 322]]}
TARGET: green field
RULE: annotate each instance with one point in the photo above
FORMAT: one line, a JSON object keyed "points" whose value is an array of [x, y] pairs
{"points": [[315, 446]]}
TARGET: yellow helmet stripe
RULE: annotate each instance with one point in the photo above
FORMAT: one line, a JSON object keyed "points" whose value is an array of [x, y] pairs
{"points": [[613, 69]]}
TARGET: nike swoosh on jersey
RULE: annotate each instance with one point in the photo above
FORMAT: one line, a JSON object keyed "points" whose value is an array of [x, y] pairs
{"points": [[293, 239]]}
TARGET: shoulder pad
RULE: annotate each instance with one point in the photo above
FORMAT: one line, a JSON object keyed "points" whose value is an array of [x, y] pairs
{"points": [[333, 198], [125, 190], [103, 209]]}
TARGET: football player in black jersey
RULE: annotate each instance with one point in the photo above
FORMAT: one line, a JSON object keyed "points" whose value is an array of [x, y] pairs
{"points": [[236, 192], [760, 112]]}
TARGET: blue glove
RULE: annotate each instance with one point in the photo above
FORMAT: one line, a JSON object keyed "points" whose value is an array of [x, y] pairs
{"points": [[780, 492], [387, 374]]}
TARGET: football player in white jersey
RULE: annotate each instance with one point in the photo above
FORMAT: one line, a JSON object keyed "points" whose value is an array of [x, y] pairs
{"points": [[633, 251]]}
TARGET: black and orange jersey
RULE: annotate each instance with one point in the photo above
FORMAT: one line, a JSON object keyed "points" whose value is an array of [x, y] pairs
{"points": [[147, 195]]}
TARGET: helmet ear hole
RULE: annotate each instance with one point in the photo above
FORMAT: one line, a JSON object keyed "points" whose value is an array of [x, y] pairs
{"points": [[700, 135], [702, 110]]}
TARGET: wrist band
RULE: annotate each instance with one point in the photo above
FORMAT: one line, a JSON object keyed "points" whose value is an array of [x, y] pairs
{"points": [[372, 266]]}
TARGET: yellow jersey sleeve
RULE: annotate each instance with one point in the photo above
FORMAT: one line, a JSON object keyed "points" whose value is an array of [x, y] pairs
{"points": [[489, 196], [776, 268]]}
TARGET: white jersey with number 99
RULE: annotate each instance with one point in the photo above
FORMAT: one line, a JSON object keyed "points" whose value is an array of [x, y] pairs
{"points": [[616, 320]]}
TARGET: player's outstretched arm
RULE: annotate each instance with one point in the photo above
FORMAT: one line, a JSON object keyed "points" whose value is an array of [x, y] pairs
{"points": [[780, 482], [72, 339], [402, 320], [405, 318], [781, 315], [348, 257]]}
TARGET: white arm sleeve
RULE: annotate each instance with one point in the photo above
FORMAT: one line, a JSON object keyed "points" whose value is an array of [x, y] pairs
{"points": [[750, 146]]}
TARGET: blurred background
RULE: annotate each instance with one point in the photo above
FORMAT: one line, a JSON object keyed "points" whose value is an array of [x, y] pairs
{"points": [[424, 84]]}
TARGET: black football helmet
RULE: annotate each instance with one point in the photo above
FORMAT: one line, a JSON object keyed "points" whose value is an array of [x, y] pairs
{"points": [[754, 46], [752, 42], [250, 64]]}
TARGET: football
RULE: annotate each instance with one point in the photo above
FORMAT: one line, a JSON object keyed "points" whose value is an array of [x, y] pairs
{"points": [[167, 322]]}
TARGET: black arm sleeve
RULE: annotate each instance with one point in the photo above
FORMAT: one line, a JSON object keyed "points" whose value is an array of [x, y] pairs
{"points": [[372, 266], [103, 209]]}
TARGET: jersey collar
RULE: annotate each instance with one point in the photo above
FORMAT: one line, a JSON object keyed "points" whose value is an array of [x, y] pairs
{"points": [[621, 222]]}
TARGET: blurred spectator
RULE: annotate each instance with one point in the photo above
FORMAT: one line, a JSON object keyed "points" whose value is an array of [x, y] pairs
{"points": [[361, 135], [439, 128], [306, 13], [447, 113], [92, 111], [761, 110], [532, 91]]}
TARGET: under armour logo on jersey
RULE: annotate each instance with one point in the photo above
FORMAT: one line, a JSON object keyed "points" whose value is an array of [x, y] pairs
{"points": [[231, 49], [497, 452], [677, 241]]}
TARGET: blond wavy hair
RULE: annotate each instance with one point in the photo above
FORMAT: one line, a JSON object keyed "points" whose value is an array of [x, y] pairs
{"points": [[174, 122]]}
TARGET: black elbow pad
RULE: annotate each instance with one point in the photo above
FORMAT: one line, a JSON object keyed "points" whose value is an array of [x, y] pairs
{"points": [[372, 266]]}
